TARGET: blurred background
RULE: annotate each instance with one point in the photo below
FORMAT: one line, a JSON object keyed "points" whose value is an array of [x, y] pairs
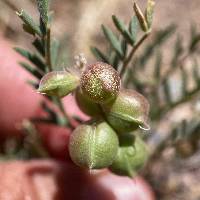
{"points": [[79, 22], [174, 168]]}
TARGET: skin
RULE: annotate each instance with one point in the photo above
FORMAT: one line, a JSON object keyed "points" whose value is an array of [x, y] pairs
{"points": [[49, 179], [18, 101]]}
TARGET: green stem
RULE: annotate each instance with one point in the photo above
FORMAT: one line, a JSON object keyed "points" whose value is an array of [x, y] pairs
{"points": [[33, 139], [66, 116], [48, 49], [103, 115], [189, 95], [49, 64], [135, 47], [163, 110], [172, 69]]}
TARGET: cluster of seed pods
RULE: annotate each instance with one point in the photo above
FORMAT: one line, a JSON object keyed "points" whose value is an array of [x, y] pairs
{"points": [[107, 140]]}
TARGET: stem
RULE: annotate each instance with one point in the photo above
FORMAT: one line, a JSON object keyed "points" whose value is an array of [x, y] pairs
{"points": [[104, 117], [11, 5], [190, 95], [66, 116], [48, 49], [49, 64], [163, 110], [33, 140], [172, 69], [135, 47]]}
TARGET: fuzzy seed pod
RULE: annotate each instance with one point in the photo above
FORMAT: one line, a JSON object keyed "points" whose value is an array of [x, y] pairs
{"points": [[131, 157], [93, 146], [128, 111], [86, 105], [100, 82], [58, 83]]}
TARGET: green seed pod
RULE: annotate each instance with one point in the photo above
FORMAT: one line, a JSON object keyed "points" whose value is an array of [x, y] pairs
{"points": [[93, 146], [131, 157], [100, 82], [86, 105], [128, 111], [58, 83]]}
